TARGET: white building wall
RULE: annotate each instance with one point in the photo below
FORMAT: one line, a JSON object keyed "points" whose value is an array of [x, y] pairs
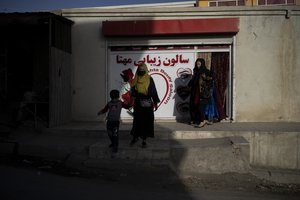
{"points": [[267, 58], [89, 78], [267, 64]]}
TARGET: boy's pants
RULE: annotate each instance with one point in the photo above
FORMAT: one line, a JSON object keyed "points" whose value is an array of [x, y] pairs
{"points": [[113, 133]]}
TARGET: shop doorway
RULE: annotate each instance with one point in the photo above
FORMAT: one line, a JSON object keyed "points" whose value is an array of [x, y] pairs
{"points": [[171, 67], [219, 64]]}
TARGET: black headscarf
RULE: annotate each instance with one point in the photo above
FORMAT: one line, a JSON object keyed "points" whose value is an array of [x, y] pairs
{"points": [[202, 69]]}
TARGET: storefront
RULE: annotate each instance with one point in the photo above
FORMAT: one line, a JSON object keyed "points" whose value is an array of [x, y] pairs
{"points": [[171, 59], [171, 68], [245, 47]]}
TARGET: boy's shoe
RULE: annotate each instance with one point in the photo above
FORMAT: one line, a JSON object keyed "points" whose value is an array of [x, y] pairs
{"points": [[115, 150], [144, 144], [114, 154], [133, 141]]}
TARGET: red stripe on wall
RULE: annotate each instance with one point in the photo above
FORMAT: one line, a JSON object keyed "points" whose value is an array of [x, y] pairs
{"points": [[170, 27]]}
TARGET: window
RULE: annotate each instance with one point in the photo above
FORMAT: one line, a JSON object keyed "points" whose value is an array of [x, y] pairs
{"points": [[219, 3], [275, 2]]}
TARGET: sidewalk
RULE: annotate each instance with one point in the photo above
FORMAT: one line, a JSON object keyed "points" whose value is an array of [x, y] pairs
{"points": [[177, 130], [78, 136], [189, 149], [178, 126], [85, 133]]}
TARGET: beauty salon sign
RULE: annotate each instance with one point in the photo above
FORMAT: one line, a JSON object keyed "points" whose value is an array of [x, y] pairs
{"points": [[171, 71]]}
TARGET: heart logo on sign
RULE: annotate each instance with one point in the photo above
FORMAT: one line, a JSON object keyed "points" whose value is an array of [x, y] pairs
{"points": [[184, 74], [162, 89]]}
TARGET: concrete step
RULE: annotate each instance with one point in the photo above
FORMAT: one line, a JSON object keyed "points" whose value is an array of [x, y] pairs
{"points": [[176, 130], [157, 152], [170, 131], [213, 155], [8, 147], [54, 147], [286, 176], [101, 133], [161, 133], [217, 155]]}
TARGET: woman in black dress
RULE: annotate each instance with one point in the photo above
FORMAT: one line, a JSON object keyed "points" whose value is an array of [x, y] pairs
{"points": [[200, 85], [145, 96]]}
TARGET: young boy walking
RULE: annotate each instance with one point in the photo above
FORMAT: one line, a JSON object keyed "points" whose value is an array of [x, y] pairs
{"points": [[113, 107]]}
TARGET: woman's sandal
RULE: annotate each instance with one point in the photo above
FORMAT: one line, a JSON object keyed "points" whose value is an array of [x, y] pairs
{"points": [[202, 124], [191, 123], [208, 123]]}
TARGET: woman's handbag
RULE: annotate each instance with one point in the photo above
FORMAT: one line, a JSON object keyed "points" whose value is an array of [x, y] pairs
{"points": [[146, 103]]}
